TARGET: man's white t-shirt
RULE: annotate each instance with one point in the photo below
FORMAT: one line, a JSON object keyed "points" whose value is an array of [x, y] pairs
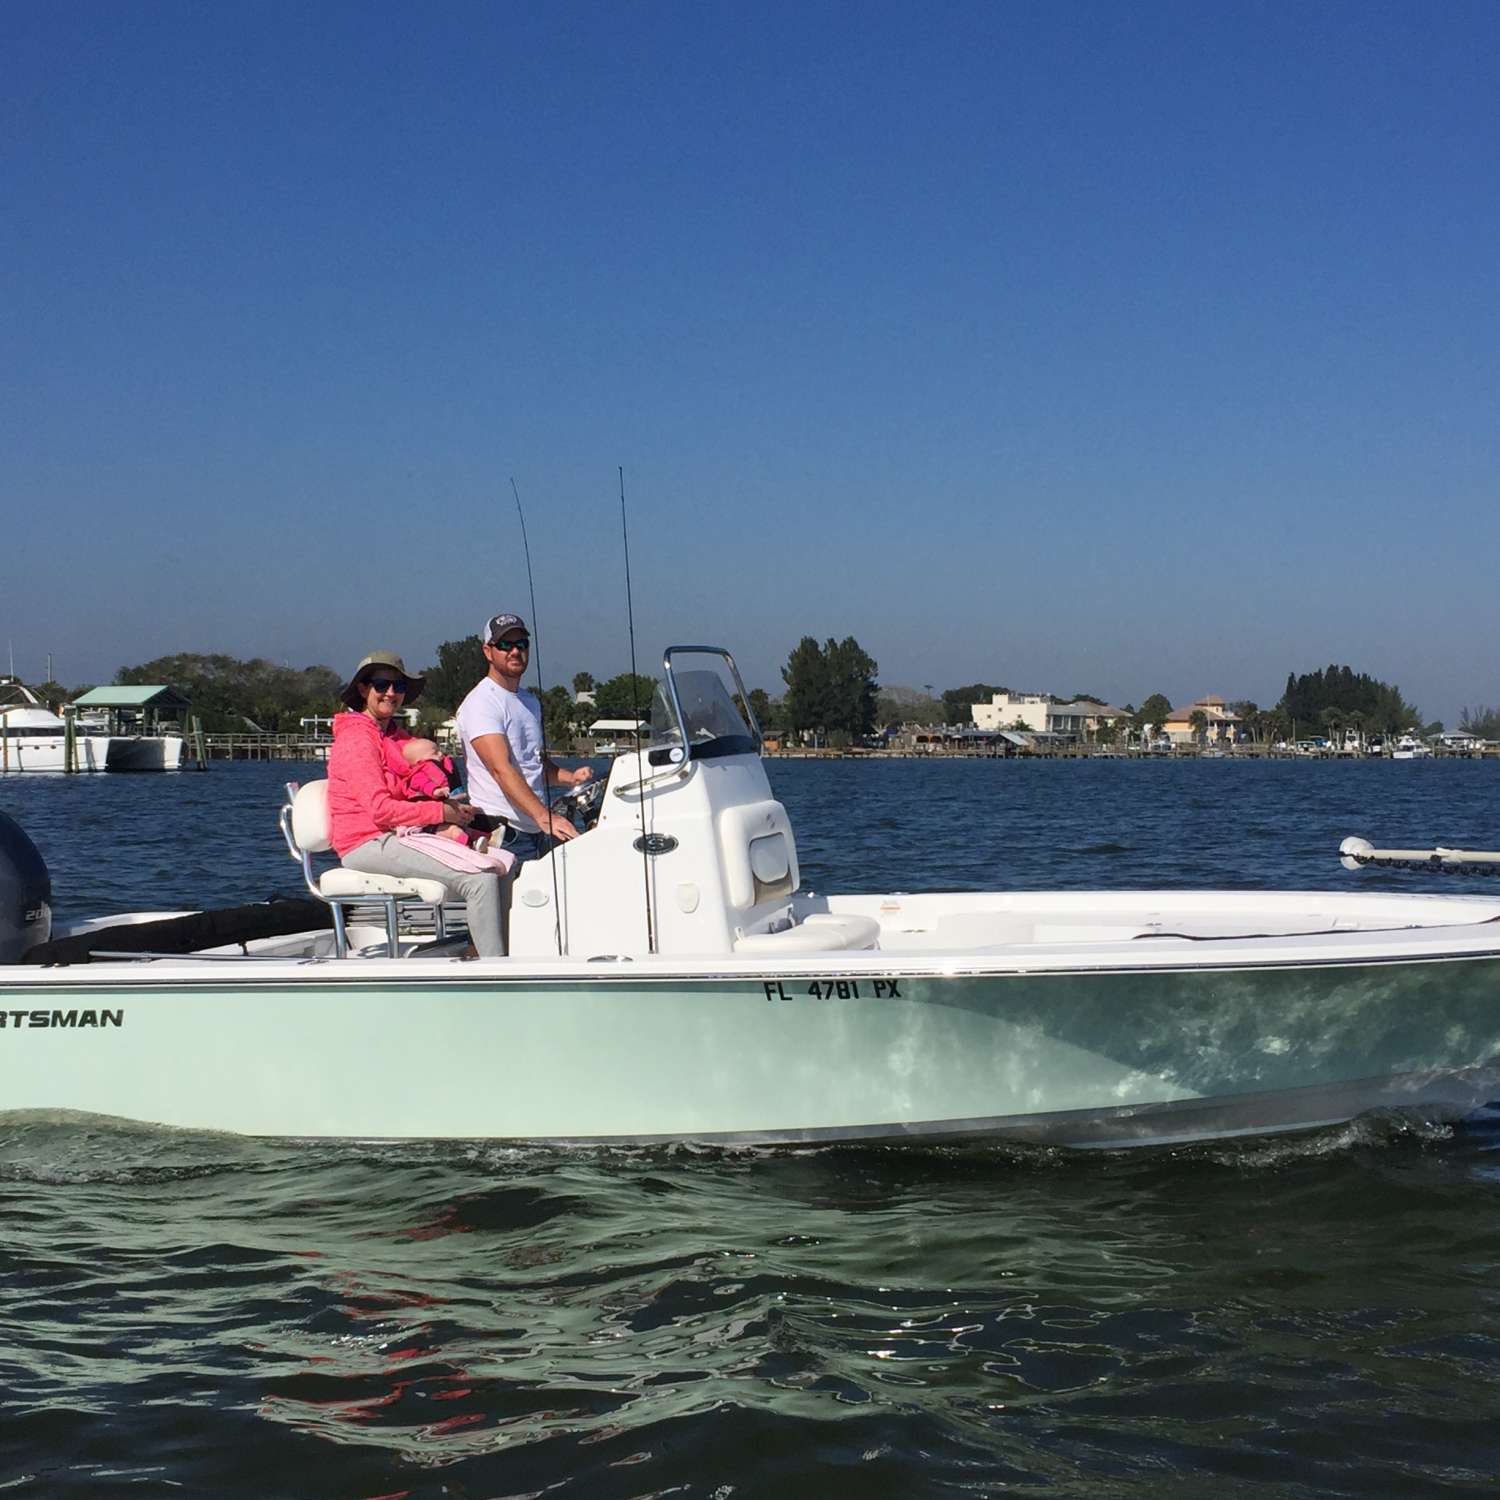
{"points": [[492, 709]]}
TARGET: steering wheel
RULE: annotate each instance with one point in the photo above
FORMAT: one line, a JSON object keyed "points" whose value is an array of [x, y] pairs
{"points": [[582, 805]]}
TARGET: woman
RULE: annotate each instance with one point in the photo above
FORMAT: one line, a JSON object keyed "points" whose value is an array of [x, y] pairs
{"points": [[367, 802]]}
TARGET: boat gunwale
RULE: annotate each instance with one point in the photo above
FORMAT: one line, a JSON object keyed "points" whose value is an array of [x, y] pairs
{"points": [[383, 973]]}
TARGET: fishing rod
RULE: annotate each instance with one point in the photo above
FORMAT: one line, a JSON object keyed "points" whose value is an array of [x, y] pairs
{"points": [[1355, 854], [536, 665], [635, 706]]}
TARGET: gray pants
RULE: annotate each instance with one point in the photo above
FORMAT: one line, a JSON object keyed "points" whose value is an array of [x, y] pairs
{"points": [[483, 895]]}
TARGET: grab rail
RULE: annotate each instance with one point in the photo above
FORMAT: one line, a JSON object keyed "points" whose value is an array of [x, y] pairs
{"points": [[1354, 853]]}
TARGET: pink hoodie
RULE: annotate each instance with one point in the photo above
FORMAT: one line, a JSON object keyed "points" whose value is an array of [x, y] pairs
{"points": [[365, 797]]}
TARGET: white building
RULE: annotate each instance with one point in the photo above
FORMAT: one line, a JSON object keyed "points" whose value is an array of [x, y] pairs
{"points": [[1461, 740], [1038, 713], [1005, 710]]}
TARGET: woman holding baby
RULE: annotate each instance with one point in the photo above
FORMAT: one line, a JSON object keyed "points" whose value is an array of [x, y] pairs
{"points": [[376, 825]]}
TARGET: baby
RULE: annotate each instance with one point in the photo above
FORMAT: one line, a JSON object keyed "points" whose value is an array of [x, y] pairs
{"points": [[429, 773]]}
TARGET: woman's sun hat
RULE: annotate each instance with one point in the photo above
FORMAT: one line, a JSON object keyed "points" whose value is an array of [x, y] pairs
{"points": [[355, 699]]}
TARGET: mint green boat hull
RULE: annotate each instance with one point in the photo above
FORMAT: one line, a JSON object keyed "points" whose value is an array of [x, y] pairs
{"points": [[451, 1050]]}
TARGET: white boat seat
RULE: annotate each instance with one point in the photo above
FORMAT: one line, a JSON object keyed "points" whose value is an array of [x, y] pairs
{"points": [[342, 882], [819, 932], [304, 826]]}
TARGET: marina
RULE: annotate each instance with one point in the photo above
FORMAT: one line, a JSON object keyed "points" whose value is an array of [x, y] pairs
{"points": [[93, 734]]}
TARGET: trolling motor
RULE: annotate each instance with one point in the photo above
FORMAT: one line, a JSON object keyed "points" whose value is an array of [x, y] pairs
{"points": [[1356, 854]]}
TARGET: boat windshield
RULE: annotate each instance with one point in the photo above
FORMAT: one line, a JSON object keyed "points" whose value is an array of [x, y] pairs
{"points": [[709, 693]]}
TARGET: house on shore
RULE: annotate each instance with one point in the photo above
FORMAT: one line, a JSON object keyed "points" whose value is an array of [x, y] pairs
{"points": [[1461, 742], [1224, 726], [1041, 715]]}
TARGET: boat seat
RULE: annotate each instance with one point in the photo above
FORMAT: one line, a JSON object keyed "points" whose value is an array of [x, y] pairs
{"points": [[819, 932], [304, 826], [342, 882]]}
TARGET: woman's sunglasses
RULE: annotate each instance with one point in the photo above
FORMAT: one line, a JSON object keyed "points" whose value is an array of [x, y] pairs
{"points": [[388, 684]]}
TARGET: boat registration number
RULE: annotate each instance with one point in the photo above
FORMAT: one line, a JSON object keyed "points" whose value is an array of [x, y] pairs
{"points": [[835, 989]]}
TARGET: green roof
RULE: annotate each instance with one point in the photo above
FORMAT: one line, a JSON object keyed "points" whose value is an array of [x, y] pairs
{"points": [[161, 696]]}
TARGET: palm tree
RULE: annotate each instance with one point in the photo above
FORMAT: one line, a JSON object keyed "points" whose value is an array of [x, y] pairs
{"points": [[1198, 723], [1331, 719]]}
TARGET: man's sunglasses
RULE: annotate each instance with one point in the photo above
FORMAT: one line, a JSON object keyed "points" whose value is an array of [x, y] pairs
{"points": [[520, 643], [388, 684]]}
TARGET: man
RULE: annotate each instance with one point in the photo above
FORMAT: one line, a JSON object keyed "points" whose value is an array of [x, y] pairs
{"points": [[501, 726]]}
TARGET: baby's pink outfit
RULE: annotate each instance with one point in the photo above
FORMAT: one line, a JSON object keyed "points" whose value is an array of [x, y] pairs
{"points": [[427, 778]]}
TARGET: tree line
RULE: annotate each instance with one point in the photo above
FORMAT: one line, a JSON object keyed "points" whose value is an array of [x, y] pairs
{"points": [[1483, 721], [831, 692], [831, 689], [231, 695], [1336, 698]]}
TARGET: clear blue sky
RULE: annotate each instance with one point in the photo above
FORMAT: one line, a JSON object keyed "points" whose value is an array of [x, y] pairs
{"points": [[1105, 347]]}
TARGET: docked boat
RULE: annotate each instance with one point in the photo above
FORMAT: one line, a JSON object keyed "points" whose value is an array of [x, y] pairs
{"points": [[33, 738], [145, 752], [670, 980], [1409, 747], [146, 725]]}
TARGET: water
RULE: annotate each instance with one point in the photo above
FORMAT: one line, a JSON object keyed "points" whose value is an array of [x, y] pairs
{"points": [[1320, 1316]]}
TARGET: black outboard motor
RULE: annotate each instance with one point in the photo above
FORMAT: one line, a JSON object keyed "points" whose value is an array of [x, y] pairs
{"points": [[25, 893]]}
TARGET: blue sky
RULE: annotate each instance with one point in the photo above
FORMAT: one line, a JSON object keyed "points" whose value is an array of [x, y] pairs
{"points": [[1100, 347]]}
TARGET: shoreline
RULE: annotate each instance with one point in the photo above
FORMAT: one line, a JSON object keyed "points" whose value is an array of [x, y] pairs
{"points": [[1247, 753]]}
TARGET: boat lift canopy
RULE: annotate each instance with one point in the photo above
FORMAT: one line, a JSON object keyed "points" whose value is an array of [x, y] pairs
{"points": [[128, 709], [160, 697]]}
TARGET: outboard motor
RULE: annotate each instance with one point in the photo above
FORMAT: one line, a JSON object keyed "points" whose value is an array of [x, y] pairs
{"points": [[25, 893]]}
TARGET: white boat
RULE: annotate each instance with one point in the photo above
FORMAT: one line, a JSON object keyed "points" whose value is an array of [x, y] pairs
{"points": [[1409, 747], [145, 752], [33, 738], [135, 717], [669, 980]]}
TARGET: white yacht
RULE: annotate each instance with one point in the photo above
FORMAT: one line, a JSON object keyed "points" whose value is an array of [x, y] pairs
{"points": [[33, 738], [1409, 747]]}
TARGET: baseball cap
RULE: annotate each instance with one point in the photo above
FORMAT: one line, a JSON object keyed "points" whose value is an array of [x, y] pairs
{"points": [[498, 625]]}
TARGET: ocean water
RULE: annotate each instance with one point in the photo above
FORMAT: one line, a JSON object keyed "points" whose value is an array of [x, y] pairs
{"points": [[1310, 1316]]}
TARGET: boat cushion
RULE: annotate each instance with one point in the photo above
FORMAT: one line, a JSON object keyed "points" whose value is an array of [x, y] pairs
{"points": [[758, 866], [310, 817], [818, 933], [342, 882]]}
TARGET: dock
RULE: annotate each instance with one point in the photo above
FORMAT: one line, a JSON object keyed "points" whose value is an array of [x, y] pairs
{"points": [[261, 746]]}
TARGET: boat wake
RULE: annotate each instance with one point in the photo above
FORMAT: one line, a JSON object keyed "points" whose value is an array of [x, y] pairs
{"points": [[70, 1147]]}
